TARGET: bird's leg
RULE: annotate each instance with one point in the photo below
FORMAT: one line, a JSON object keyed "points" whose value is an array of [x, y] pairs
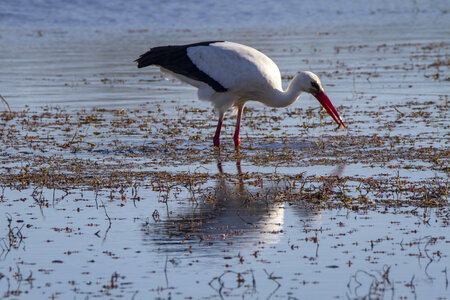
{"points": [[217, 135], [237, 140]]}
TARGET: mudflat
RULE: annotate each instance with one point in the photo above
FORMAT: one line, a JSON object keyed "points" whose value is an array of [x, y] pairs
{"points": [[110, 186]]}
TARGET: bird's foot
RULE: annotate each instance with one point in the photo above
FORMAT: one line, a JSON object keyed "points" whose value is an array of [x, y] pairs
{"points": [[237, 141], [216, 142]]}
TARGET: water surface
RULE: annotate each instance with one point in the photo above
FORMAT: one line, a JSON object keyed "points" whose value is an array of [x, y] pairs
{"points": [[111, 188]]}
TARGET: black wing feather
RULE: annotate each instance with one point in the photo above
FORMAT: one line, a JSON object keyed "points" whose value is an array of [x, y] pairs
{"points": [[175, 59]]}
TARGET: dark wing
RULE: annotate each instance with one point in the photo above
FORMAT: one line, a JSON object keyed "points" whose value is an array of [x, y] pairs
{"points": [[175, 59]]}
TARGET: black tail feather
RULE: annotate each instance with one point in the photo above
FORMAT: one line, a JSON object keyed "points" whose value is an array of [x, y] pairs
{"points": [[166, 55], [156, 56], [175, 59]]}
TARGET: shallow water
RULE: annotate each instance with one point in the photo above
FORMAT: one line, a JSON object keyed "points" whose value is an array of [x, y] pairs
{"points": [[234, 14], [227, 248], [111, 188]]}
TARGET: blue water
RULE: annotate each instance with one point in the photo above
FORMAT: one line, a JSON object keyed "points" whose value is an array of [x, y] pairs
{"points": [[220, 14], [79, 54]]}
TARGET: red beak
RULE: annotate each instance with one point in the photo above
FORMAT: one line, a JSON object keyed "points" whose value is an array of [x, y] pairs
{"points": [[323, 99]]}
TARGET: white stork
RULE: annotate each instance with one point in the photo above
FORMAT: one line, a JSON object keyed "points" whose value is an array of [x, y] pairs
{"points": [[230, 74]]}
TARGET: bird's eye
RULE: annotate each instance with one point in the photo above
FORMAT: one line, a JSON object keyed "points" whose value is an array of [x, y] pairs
{"points": [[315, 85]]}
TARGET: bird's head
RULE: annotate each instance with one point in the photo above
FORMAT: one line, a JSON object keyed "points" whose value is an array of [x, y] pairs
{"points": [[311, 84]]}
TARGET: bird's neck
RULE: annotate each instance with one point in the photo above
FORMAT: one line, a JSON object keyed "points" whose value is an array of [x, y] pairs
{"points": [[286, 98]]}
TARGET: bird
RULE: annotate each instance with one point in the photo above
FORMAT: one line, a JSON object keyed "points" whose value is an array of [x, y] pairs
{"points": [[229, 74]]}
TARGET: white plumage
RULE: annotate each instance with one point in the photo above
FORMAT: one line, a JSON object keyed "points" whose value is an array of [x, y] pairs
{"points": [[249, 67], [230, 74]]}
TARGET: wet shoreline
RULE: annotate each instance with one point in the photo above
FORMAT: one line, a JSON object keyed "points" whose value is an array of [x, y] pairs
{"points": [[111, 187]]}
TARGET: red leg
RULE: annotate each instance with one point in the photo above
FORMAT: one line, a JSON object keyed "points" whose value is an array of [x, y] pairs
{"points": [[217, 135], [237, 140]]}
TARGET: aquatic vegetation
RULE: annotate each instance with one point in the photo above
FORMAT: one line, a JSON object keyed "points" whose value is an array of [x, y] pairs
{"points": [[128, 200]]}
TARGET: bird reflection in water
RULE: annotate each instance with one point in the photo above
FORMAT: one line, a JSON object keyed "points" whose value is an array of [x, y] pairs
{"points": [[236, 213]]}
